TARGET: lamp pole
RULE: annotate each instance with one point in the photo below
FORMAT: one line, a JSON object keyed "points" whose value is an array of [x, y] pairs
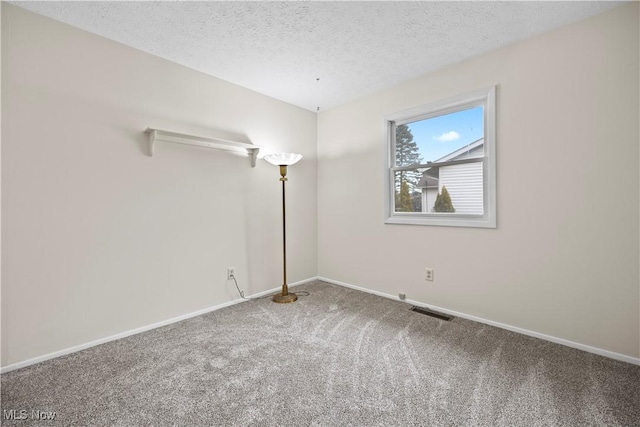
{"points": [[285, 296], [283, 160]]}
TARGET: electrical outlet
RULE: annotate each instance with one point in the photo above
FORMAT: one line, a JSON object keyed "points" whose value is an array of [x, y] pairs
{"points": [[231, 272], [429, 274]]}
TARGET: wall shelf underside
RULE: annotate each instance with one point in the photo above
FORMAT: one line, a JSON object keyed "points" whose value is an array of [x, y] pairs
{"points": [[217, 144]]}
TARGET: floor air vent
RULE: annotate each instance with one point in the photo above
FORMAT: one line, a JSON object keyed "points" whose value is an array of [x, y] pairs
{"points": [[431, 313]]}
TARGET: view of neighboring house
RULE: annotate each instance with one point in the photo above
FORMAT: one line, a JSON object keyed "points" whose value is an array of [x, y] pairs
{"points": [[463, 181]]}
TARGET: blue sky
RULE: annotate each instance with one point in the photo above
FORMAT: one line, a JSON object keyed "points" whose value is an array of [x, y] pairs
{"points": [[441, 135]]}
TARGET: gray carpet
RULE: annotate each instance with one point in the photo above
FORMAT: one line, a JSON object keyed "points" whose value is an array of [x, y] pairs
{"points": [[335, 357]]}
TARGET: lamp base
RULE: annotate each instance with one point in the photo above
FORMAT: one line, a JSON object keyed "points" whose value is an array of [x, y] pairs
{"points": [[285, 299]]}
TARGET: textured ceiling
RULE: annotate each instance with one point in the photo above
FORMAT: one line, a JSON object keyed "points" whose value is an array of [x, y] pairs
{"points": [[317, 54]]}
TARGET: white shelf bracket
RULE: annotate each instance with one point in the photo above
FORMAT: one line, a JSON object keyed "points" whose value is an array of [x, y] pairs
{"points": [[253, 152], [152, 140], [199, 141]]}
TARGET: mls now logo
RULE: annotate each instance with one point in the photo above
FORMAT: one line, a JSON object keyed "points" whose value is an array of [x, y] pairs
{"points": [[23, 414]]}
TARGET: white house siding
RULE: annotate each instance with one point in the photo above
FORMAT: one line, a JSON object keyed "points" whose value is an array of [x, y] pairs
{"points": [[429, 198], [464, 184]]}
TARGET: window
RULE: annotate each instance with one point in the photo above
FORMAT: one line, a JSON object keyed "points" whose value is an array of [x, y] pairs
{"points": [[441, 163]]}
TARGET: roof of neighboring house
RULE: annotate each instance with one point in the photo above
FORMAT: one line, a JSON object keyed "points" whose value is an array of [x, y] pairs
{"points": [[470, 150], [461, 152], [427, 181]]}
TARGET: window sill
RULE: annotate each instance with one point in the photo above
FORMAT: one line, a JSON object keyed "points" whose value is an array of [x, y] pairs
{"points": [[458, 221]]}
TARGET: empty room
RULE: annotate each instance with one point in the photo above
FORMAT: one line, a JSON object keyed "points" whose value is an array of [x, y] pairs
{"points": [[385, 213]]}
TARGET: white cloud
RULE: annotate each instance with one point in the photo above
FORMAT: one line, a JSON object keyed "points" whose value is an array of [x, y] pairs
{"points": [[448, 136]]}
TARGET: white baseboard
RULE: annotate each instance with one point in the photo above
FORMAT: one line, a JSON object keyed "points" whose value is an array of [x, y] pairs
{"points": [[90, 344], [590, 349], [584, 347]]}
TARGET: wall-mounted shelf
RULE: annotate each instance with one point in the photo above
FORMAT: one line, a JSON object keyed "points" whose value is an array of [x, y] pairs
{"points": [[218, 144]]}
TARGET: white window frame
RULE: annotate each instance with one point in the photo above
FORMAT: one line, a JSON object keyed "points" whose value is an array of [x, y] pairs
{"points": [[485, 97]]}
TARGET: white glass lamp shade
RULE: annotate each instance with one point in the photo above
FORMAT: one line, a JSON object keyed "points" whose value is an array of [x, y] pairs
{"points": [[283, 159]]}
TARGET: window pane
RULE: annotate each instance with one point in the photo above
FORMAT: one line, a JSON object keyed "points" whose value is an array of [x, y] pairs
{"points": [[447, 189], [408, 193], [454, 136]]}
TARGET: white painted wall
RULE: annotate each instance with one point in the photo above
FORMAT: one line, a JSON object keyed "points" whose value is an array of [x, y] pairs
{"points": [[561, 262], [99, 238]]}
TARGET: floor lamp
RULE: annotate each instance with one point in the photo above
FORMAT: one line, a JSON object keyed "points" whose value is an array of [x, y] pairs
{"points": [[283, 160]]}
